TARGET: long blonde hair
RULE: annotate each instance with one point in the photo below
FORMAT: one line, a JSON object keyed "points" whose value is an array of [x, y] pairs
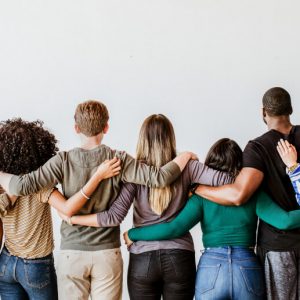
{"points": [[156, 147]]}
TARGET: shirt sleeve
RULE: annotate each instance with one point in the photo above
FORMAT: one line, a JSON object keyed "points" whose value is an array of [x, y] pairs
{"points": [[268, 211], [45, 194], [185, 220], [4, 204], [48, 175], [252, 159], [295, 179], [202, 174], [138, 172], [119, 209]]}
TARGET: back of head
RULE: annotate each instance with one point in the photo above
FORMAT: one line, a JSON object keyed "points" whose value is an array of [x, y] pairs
{"points": [[91, 117], [225, 155], [156, 147], [277, 102], [24, 146]]}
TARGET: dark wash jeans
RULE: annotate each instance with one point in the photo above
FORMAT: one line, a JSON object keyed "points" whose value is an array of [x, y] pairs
{"points": [[168, 273], [21, 279], [229, 273]]}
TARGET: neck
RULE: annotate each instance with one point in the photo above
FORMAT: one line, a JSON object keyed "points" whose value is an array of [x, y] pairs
{"points": [[89, 143], [281, 124]]}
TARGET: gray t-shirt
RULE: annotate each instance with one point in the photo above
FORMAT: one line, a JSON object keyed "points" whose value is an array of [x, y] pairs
{"points": [[195, 172]]}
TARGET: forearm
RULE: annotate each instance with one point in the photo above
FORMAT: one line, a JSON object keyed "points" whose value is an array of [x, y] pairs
{"points": [[86, 220], [71, 206], [140, 173], [187, 218], [268, 211], [119, 208], [237, 193], [47, 175]]}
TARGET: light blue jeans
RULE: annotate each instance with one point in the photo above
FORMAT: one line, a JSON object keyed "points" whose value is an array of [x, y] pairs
{"points": [[229, 273], [23, 279]]}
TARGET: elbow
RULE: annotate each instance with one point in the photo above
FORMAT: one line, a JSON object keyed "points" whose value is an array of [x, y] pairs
{"points": [[68, 212], [238, 198]]}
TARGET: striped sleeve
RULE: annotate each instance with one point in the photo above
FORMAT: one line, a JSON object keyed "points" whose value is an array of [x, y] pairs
{"points": [[295, 179], [4, 204], [45, 195]]}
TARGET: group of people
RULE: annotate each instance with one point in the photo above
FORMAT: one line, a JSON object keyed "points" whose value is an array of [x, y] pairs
{"points": [[233, 189]]}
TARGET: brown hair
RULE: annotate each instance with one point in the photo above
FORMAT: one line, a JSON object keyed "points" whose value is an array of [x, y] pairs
{"points": [[225, 155], [156, 147], [91, 117]]}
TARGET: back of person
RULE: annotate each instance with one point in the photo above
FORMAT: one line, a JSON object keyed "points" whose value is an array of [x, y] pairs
{"points": [[228, 225], [82, 164], [276, 183], [26, 262], [194, 172], [28, 226]]}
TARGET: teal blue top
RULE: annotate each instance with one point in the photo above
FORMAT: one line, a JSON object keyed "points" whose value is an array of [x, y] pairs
{"points": [[221, 225]]}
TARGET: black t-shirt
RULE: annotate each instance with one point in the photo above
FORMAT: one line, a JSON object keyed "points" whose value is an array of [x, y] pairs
{"points": [[262, 155]]}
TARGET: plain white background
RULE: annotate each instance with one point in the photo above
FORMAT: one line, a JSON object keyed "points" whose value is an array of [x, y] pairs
{"points": [[203, 63]]}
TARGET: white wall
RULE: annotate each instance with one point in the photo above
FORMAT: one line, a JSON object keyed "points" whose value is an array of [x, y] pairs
{"points": [[205, 64]]}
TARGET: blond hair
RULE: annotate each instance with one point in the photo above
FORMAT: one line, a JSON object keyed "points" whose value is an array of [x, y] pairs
{"points": [[156, 147], [91, 117]]}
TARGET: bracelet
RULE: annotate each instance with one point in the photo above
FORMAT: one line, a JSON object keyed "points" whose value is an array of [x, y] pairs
{"points": [[69, 221], [84, 195], [292, 168]]}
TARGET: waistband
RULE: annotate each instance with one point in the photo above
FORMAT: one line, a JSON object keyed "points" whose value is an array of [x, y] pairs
{"points": [[230, 251], [6, 252]]}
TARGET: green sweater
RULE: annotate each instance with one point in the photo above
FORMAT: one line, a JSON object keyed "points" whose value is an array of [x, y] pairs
{"points": [[221, 225]]}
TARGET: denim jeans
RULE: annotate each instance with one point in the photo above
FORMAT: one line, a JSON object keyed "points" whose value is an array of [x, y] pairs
{"points": [[229, 273], [21, 279], [169, 273]]}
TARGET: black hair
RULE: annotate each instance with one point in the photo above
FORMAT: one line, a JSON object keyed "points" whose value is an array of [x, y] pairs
{"points": [[225, 155], [277, 102], [24, 146]]}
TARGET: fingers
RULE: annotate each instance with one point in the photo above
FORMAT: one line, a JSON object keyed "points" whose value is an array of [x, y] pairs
{"points": [[284, 147], [113, 161]]}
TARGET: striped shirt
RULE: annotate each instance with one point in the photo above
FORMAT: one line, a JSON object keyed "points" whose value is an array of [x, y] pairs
{"points": [[295, 179], [27, 225]]}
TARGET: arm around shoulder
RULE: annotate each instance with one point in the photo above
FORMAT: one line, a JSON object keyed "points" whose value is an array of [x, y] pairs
{"points": [[47, 175], [237, 193]]}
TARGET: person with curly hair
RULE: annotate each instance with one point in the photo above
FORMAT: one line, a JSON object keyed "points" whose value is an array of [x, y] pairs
{"points": [[26, 262]]}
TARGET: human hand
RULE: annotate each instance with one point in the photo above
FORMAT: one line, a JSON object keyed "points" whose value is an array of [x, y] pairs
{"points": [[127, 240], [287, 152], [109, 168], [189, 155]]}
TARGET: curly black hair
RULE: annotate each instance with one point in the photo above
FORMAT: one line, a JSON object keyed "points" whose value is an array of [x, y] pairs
{"points": [[24, 146]]}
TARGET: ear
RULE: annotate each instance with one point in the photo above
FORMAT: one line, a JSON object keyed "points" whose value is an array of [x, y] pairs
{"points": [[77, 129], [264, 113], [105, 128]]}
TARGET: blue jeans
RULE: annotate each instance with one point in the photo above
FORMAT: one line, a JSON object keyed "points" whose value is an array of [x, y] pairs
{"points": [[22, 279], [229, 273]]}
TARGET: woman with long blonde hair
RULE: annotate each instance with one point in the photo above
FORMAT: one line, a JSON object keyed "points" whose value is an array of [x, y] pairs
{"points": [[158, 268]]}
